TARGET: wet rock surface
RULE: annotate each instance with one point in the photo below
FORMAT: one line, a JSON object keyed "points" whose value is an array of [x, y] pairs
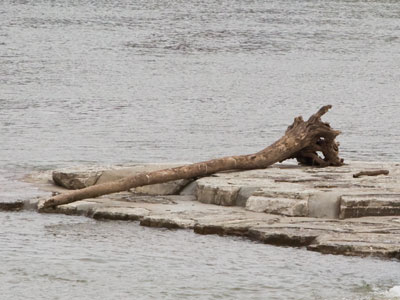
{"points": [[11, 206], [324, 210]]}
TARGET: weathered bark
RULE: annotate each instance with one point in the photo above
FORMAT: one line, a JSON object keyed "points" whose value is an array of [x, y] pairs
{"points": [[302, 140], [371, 173]]}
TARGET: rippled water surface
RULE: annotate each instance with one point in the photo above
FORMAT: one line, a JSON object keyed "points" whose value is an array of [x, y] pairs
{"points": [[102, 82], [61, 257]]}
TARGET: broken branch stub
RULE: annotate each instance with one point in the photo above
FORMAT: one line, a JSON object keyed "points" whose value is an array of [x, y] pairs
{"points": [[302, 140], [371, 173]]}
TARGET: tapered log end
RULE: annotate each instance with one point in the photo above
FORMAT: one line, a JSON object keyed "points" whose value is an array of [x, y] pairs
{"points": [[45, 204]]}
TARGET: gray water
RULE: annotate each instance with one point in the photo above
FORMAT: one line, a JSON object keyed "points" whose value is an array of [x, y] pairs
{"points": [[113, 82]]}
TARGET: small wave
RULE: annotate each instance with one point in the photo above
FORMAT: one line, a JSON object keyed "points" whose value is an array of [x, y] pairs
{"points": [[394, 292]]}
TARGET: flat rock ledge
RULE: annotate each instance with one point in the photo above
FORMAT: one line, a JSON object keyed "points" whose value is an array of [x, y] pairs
{"points": [[323, 209]]}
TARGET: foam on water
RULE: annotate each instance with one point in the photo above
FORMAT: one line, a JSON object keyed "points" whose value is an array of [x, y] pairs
{"points": [[394, 292]]}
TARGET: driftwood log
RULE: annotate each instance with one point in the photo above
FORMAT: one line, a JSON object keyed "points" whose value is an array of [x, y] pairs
{"points": [[371, 173], [311, 142]]}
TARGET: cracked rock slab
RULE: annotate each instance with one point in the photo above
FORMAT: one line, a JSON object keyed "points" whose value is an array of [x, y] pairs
{"points": [[362, 236], [358, 244], [293, 190]]}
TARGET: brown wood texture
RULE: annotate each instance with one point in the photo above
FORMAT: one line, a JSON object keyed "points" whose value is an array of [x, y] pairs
{"points": [[303, 140], [371, 173]]}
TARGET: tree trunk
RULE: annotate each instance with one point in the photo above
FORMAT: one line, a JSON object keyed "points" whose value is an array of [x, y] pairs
{"points": [[302, 140]]}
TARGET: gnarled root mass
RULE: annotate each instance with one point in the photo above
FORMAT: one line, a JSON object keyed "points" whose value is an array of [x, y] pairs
{"points": [[303, 140]]}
